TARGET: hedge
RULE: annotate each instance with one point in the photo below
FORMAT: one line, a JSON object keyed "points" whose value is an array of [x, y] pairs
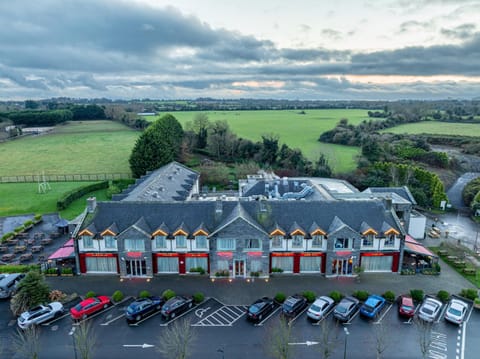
{"points": [[19, 268], [71, 196]]}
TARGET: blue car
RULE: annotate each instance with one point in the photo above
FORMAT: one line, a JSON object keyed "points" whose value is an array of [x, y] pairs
{"points": [[372, 306], [143, 307]]}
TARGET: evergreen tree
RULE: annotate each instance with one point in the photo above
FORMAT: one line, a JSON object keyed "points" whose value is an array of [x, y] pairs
{"points": [[158, 145], [31, 291]]}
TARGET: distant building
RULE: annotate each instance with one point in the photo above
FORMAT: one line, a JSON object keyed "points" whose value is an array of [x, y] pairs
{"points": [[146, 114]]}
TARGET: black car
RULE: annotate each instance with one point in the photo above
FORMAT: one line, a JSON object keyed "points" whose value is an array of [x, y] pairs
{"points": [[143, 307], [175, 306], [294, 305], [346, 308], [260, 309]]}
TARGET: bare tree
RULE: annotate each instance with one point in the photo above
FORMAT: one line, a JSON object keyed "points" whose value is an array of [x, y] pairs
{"points": [[381, 339], [176, 341], [85, 340], [328, 339], [27, 342], [278, 338], [424, 329]]}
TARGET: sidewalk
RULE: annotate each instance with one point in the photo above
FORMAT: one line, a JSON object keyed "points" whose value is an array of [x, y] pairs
{"points": [[239, 291]]}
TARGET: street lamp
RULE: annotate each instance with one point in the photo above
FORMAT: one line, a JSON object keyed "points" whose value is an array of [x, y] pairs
{"points": [[72, 334], [347, 333], [222, 350]]}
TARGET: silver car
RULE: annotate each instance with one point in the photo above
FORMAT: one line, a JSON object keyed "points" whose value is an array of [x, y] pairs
{"points": [[320, 307], [40, 314], [456, 311], [429, 309]]}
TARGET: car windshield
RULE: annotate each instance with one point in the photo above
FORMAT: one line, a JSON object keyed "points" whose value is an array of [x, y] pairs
{"points": [[342, 309], [315, 308], [132, 308], [255, 308], [455, 312], [407, 308], [287, 305], [368, 308]]}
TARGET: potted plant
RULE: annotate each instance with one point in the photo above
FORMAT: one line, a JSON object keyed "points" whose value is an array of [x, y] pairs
{"points": [[66, 272], [37, 219], [51, 272]]}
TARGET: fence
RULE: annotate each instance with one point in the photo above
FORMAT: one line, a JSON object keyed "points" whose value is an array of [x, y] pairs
{"points": [[65, 177]]}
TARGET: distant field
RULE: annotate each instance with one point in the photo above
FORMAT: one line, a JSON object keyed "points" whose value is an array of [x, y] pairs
{"points": [[295, 129], [437, 128], [86, 147]]}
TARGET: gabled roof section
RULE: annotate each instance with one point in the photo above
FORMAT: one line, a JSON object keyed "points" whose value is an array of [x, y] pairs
{"points": [[88, 231], [336, 225], [112, 230], [366, 229], [142, 226], [181, 230], [201, 230], [277, 230], [387, 229], [162, 230], [296, 230], [172, 182], [315, 230], [238, 213]]}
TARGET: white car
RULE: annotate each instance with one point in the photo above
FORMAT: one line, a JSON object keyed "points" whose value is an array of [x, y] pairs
{"points": [[320, 307], [456, 311], [40, 314], [429, 309]]}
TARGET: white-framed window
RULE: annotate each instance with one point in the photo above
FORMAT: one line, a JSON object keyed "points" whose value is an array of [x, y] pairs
{"points": [[167, 264], [342, 243], [160, 242], [285, 263], [277, 241], [297, 241], [368, 240], [226, 244], [181, 241], [109, 242], [317, 241], [196, 262], [256, 265], [310, 264], [390, 240], [253, 243], [377, 264], [222, 264], [134, 245], [87, 241], [101, 264], [201, 242]]}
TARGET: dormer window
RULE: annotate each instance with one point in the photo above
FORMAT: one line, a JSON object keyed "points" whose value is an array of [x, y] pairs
{"points": [[109, 241], [390, 240], [201, 242], [368, 240], [317, 241], [160, 242], [277, 241], [87, 241], [181, 241], [297, 241]]}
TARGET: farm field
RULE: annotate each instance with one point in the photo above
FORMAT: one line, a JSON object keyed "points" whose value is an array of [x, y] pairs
{"points": [[437, 128], [295, 129]]}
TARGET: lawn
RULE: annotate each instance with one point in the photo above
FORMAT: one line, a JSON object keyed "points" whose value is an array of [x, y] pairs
{"points": [[295, 129], [22, 198], [437, 128]]}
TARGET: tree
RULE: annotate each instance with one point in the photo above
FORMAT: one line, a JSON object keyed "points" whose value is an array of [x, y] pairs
{"points": [[279, 337], [85, 340], [381, 339], [328, 339], [424, 330], [269, 150], [27, 342], [158, 145], [176, 341], [199, 127], [31, 291]]}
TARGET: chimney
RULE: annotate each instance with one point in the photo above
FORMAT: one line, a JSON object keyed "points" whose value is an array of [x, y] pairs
{"points": [[218, 206], [388, 203], [91, 204]]}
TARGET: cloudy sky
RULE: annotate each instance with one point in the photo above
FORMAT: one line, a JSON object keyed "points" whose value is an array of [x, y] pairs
{"points": [[302, 49]]}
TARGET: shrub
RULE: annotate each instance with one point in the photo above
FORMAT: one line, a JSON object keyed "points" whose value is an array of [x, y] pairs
{"points": [[51, 271], [7, 236], [67, 271], [27, 223], [90, 294], [417, 295], [222, 273], [144, 294], [336, 296], [436, 267], [389, 296], [71, 196], [197, 270], [168, 294], [280, 297], [117, 296], [470, 293], [254, 274], [37, 218], [198, 297], [19, 229], [443, 295], [19, 268], [309, 295], [361, 295], [277, 270], [56, 295]]}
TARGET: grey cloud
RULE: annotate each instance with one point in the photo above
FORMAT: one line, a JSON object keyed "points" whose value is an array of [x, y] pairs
{"points": [[462, 32], [413, 26], [331, 33]]}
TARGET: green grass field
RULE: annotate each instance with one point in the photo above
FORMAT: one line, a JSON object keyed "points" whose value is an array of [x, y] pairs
{"points": [[437, 128], [295, 129]]}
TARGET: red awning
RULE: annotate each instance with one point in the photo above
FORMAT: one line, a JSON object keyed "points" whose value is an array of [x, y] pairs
{"points": [[412, 246], [66, 251]]}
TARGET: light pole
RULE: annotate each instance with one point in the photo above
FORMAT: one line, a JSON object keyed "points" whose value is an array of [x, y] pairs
{"points": [[347, 333], [72, 334], [222, 350]]}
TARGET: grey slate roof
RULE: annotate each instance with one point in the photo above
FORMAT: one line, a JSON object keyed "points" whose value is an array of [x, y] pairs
{"points": [[402, 192]]}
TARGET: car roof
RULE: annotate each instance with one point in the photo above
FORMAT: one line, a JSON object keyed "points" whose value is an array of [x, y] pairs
{"points": [[373, 299], [458, 304], [432, 301], [407, 299]]}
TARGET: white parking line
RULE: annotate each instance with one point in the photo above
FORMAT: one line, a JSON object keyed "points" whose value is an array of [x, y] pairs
{"points": [[290, 322], [176, 317], [114, 319], [265, 319], [224, 316], [56, 320], [384, 313], [317, 323]]}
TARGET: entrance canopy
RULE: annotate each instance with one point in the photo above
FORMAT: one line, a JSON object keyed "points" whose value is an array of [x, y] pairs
{"points": [[412, 246]]}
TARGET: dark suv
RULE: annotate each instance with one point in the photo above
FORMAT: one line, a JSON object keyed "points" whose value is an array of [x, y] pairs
{"points": [[175, 306], [294, 305]]}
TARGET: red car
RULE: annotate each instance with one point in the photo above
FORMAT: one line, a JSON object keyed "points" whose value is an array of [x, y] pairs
{"points": [[89, 306], [406, 307]]}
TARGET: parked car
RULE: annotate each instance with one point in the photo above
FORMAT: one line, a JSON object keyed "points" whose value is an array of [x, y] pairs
{"points": [[260, 309], [175, 306], [372, 306], [346, 309], [90, 306], [294, 305], [9, 283], [40, 314], [320, 307], [143, 307], [456, 311], [429, 309], [406, 307]]}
